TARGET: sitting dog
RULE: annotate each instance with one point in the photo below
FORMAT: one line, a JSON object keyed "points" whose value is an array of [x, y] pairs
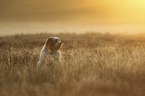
{"points": [[50, 51]]}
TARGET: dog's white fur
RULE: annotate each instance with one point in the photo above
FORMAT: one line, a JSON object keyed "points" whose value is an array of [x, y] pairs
{"points": [[49, 55]]}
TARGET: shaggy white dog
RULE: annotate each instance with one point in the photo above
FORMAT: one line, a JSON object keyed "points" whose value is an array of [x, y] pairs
{"points": [[50, 51]]}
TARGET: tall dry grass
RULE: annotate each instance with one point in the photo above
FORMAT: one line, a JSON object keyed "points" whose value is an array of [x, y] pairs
{"points": [[92, 64]]}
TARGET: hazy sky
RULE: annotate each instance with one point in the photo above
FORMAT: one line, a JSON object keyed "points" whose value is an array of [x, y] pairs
{"points": [[85, 12], [119, 11]]}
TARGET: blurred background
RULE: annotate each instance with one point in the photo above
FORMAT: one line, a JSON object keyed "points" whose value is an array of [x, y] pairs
{"points": [[77, 16]]}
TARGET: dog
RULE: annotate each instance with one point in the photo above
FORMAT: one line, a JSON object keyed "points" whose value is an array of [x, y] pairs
{"points": [[50, 52]]}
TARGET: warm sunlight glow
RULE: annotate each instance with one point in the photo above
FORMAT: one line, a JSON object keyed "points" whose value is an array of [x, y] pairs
{"points": [[114, 16], [122, 11]]}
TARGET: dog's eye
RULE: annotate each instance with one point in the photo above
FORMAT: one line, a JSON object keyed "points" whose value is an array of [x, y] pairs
{"points": [[56, 40]]}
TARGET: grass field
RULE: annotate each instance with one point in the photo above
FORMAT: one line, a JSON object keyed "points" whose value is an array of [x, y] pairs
{"points": [[92, 64]]}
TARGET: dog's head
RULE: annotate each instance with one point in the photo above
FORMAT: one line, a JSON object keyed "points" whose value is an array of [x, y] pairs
{"points": [[53, 43]]}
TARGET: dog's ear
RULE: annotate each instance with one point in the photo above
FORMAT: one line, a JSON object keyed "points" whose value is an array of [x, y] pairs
{"points": [[47, 42]]}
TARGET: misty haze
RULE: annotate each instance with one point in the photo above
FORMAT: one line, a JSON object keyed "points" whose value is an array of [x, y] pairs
{"points": [[55, 16], [103, 52]]}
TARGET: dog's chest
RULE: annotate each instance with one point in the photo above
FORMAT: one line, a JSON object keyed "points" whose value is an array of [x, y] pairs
{"points": [[51, 55]]}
